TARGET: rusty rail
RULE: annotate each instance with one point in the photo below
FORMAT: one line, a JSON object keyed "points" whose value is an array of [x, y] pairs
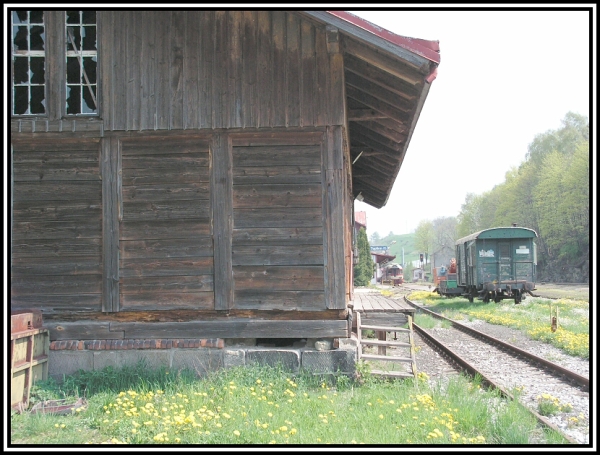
{"points": [[551, 367]]}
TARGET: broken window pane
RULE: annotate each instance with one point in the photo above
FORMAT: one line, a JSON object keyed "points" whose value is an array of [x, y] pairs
{"points": [[73, 37], [73, 70], [73, 99], [20, 17], [89, 106], [21, 100], [36, 17], [72, 17], [37, 38], [88, 17], [21, 70], [20, 35], [89, 64], [89, 38], [37, 99], [37, 70]]}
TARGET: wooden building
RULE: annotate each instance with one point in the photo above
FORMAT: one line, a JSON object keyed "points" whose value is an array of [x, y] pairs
{"points": [[191, 174]]}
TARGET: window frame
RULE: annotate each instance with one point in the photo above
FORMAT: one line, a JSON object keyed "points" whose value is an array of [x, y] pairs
{"points": [[29, 54], [56, 70]]}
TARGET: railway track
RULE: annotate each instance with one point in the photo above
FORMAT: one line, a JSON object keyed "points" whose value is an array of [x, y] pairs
{"points": [[509, 368]]}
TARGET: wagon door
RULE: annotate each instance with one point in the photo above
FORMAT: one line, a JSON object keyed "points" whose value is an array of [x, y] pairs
{"points": [[524, 259], [505, 272]]}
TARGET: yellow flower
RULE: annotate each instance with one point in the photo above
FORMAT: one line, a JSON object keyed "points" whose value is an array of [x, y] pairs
{"points": [[236, 432]]}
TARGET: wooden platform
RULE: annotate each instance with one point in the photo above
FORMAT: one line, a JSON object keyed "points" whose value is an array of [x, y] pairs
{"points": [[373, 302]]}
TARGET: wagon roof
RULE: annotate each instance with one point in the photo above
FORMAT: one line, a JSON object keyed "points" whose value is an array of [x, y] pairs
{"points": [[511, 232], [387, 78]]}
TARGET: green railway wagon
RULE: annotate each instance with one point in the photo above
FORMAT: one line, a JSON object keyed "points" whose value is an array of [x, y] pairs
{"points": [[495, 264]]}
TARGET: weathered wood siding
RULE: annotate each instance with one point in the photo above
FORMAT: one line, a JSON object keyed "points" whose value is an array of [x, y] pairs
{"points": [[172, 70], [216, 179], [277, 252], [57, 226], [166, 250]]}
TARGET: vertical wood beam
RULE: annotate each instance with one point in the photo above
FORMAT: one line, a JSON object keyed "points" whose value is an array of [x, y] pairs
{"points": [[55, 64], [333, 212], [221, 193], [109, 159], [337, 89]]}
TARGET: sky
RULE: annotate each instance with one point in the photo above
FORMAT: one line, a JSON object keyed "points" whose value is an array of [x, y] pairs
{"points": [[504, 77]]}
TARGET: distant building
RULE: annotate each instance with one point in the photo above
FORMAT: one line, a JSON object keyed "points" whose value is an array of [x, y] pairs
{"points": [[360, 220], [380, 261]]}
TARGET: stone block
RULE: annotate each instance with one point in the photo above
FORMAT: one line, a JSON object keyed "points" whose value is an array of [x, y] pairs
{"points": [[199, 360], [329, 362], [68, 362], [234, 357], [288, 359], [154, 358]]}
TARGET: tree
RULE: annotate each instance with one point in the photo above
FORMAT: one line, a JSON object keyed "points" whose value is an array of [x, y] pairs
{"points": [[375, 238], [424, 237], [363, 271], [548, 192]]}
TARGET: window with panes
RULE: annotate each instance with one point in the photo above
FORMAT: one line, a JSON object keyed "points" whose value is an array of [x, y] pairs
{"points": [[76, 48]]}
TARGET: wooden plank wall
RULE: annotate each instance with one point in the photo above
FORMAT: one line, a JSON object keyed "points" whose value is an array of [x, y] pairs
{"points": [[57, 226], [217, 69], [166, 245], [277, 246]]}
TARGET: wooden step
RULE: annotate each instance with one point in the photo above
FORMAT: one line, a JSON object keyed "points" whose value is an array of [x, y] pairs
{"points": [[369, 342], [383, 328], [393, 374], [387, 358]]}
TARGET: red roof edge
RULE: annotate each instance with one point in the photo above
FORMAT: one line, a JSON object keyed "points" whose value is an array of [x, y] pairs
{"points": [[425, 48]]}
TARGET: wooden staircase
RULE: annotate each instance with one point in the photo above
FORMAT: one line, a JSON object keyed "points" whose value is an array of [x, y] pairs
{"points": [[383, 343]]}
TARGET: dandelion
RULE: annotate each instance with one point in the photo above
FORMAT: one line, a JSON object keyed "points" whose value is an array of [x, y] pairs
{"points": [[236, 432]]}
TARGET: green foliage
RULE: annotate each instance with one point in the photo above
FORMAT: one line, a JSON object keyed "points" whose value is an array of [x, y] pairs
{"points": [[267, 405], [424, 237], [549, 405], [548, 192], [363, 271]]}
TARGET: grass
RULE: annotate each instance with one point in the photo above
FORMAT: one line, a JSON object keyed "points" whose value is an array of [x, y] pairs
{"points": [[266, 405], [532, 316]]}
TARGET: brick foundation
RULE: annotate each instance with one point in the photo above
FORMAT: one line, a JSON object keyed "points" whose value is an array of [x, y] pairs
{"points": [[101, 345]]}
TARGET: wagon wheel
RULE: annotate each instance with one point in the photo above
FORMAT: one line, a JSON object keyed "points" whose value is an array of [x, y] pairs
{"points": [[497, 297], [470, 297], [517, 297], [486, 297]]}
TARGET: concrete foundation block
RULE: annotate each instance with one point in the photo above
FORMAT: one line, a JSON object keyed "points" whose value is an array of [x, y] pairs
{"points": [[287, 359], [234, 358], [154, 358], [68, 362], [199, 360], [329, 362]]}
